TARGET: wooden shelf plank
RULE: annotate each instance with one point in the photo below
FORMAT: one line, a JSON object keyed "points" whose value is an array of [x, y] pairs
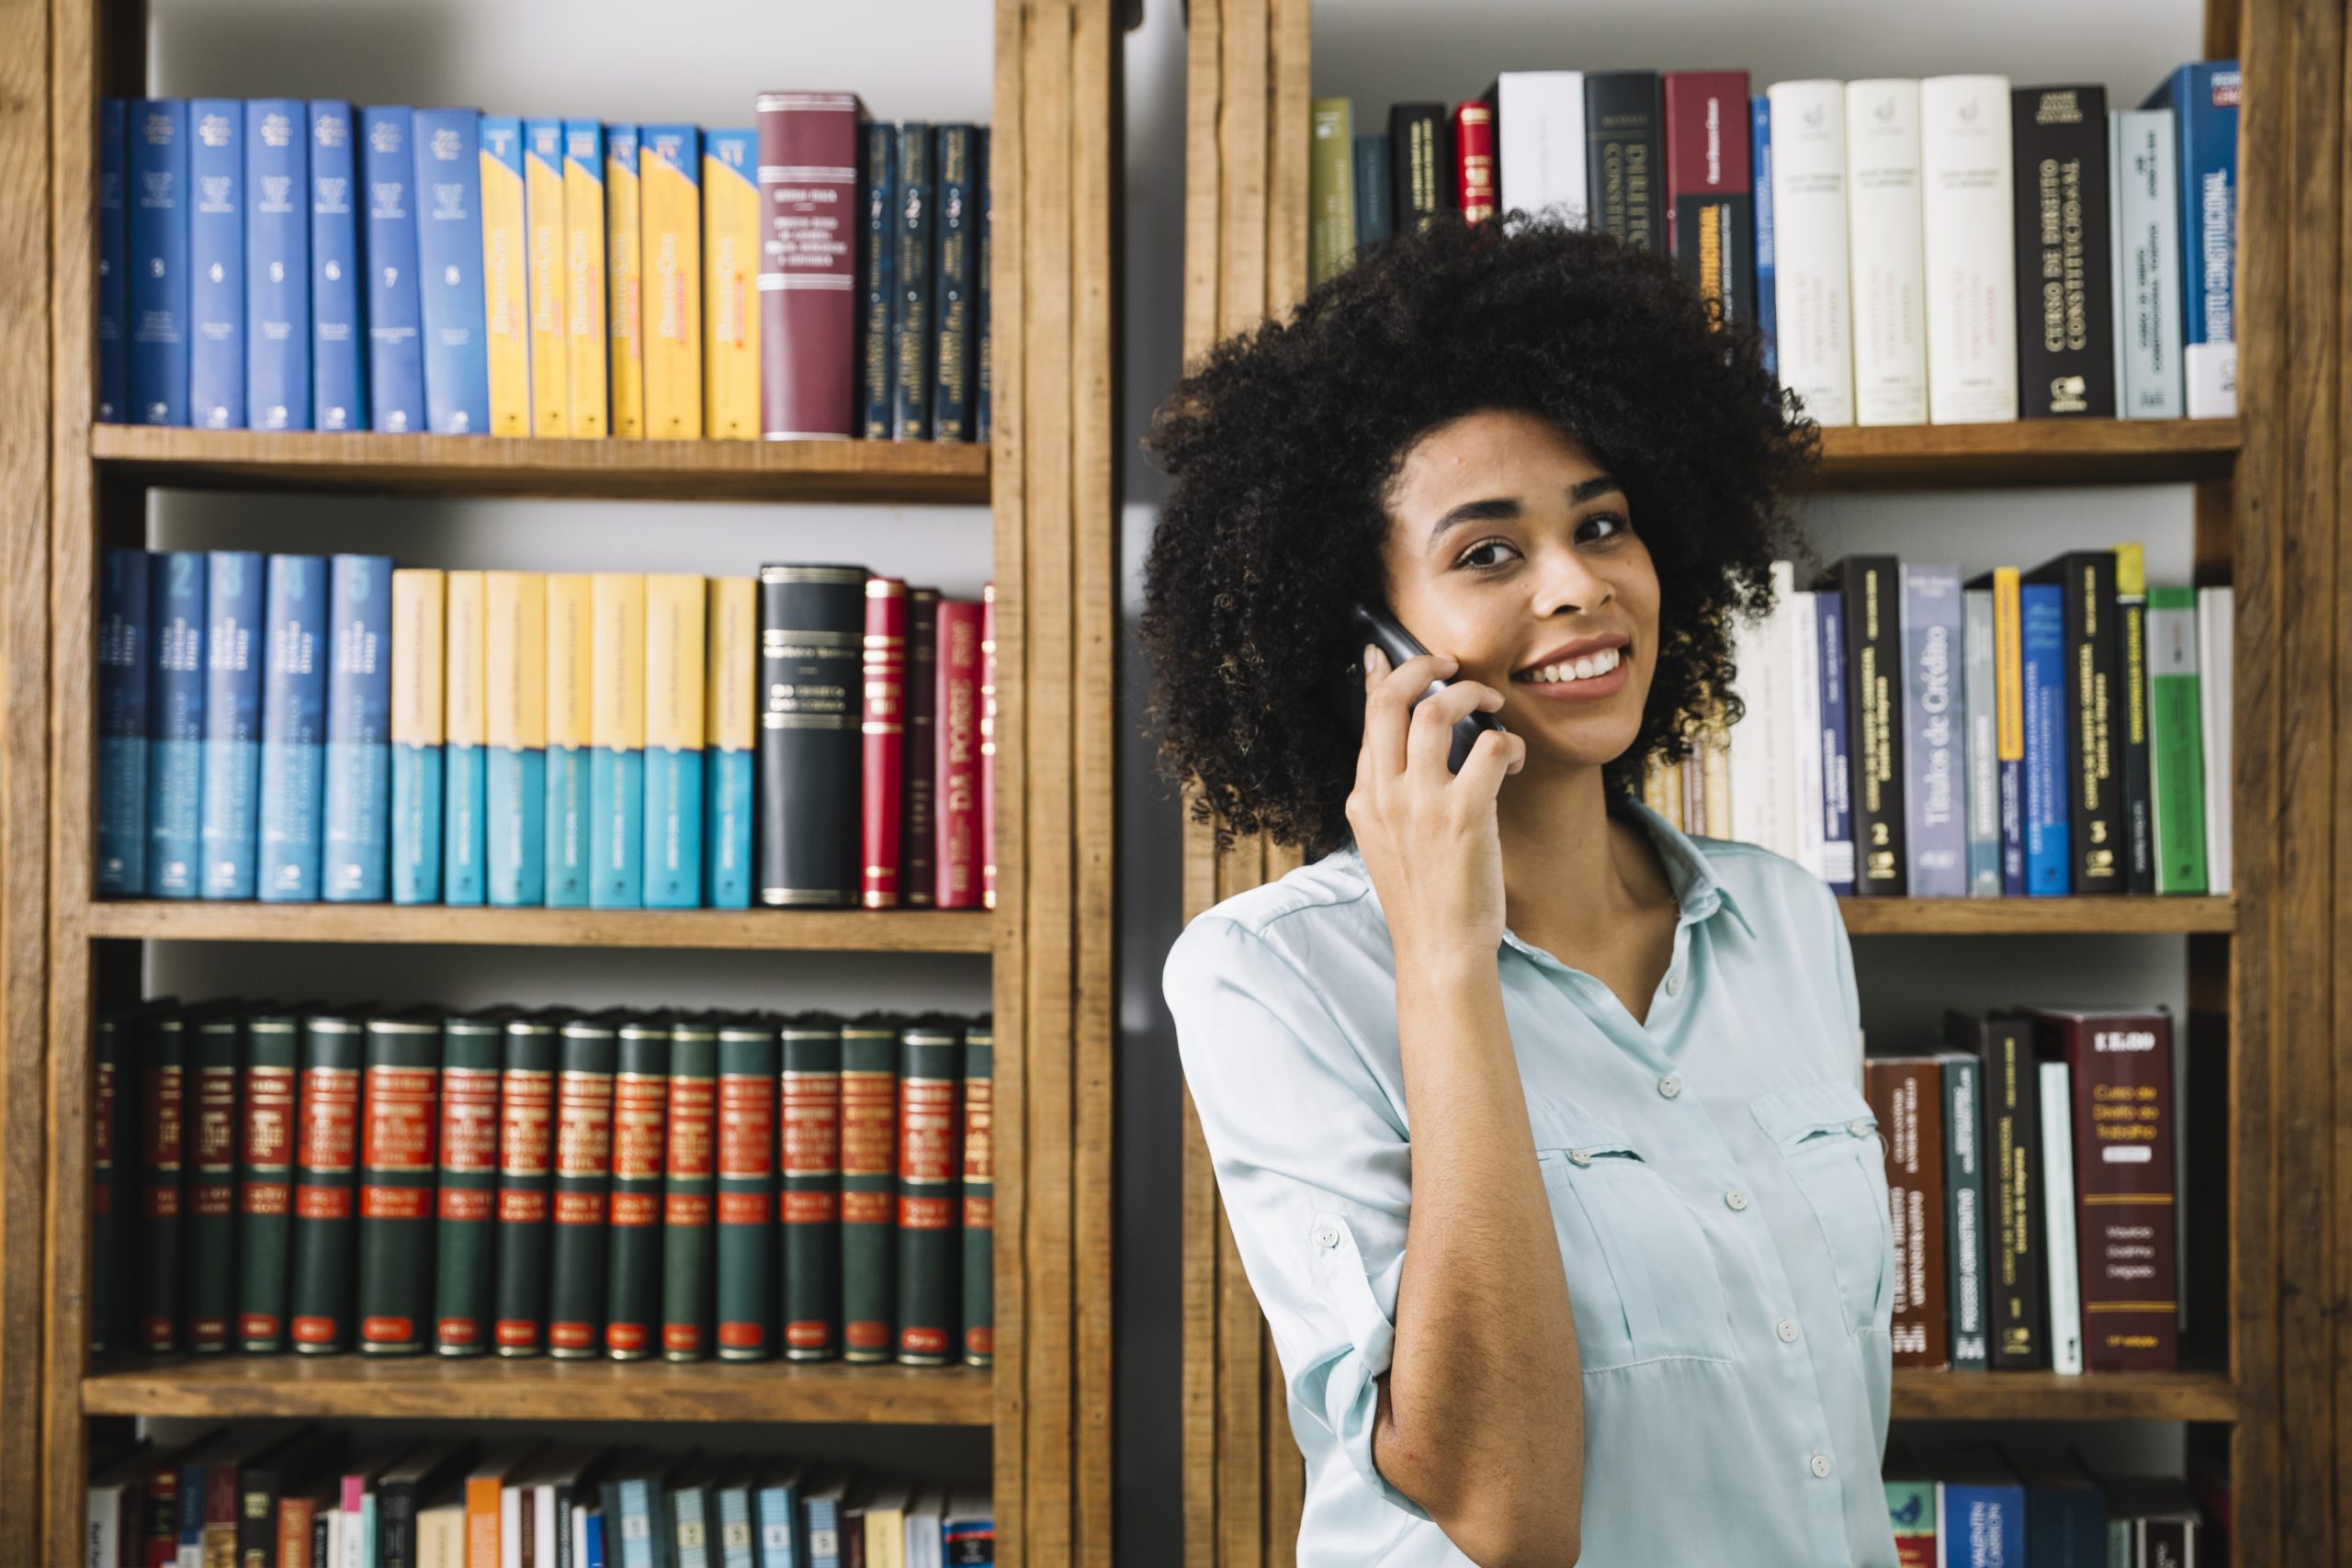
{"points": [[2048, 1397], [910, 471], [777, 930], [2026, 452], [487, 1388], [2032, 917]]}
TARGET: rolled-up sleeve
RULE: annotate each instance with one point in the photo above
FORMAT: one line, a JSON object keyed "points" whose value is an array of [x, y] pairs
{"points": [[1313, 1165]]}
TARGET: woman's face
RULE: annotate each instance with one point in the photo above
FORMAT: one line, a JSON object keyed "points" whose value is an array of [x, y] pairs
{"points": [[1511, 550]]}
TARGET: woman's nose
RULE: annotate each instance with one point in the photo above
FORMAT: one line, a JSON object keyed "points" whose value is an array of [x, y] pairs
{"points": [[1566, 584]]}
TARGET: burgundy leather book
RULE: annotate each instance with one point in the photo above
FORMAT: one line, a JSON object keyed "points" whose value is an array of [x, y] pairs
{"points": [[988, 745], [884, 725], [807, 263], [957, 805], [1473, 161]]}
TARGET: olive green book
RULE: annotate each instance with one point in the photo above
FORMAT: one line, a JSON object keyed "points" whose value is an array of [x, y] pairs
{"points": [[689, 1186], [401, 1107], [323, 1241], [931, 1084], [869, 1187], [582, 1188], [745, 1231], [473, 1052], [979, 1193], [2175, 740], [1330, 189], [163, 1088], [526, 1176], [633, 1252], [810, 1206], [265, 1137], [216, 1039]]}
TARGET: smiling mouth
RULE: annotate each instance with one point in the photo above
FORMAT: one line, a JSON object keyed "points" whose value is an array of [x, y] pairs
{"points": [[1566, 671]]}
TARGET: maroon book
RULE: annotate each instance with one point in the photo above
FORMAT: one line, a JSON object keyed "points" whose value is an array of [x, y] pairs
{"points": [[988, 745], [1907, 1094], [956, 806], [1710, 209], [808, 263], [1473, 160], [2126, 1233], [884, 735]]}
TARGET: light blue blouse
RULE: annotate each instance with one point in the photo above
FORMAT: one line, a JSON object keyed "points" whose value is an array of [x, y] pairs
{"points": [[1717, 1191]]}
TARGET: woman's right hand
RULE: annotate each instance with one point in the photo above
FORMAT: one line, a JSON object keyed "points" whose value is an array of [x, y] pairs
{"points": [[1428, 837]]}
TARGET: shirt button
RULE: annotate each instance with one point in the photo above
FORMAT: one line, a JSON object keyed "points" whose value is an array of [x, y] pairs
{"points": [[1669, 1086], [1858, 1127], [1674, 985], [1579, 1157], [1326, 1236], [1736, 1200], [1820, 1464], [1787, 1330]]}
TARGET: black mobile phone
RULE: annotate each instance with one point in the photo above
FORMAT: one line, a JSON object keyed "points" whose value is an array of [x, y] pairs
{"points": [[1385, 633]]}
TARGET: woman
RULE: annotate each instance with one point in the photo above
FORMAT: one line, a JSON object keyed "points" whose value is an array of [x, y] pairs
{"points": [[1536, 1119]]}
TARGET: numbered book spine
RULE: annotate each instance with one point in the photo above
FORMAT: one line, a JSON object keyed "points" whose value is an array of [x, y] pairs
{"points": [[670, 157], [2130, 701], [1968, 221], [1835, 743], [1980, 708], [2203, 98], [514, 738], [811, 1207], [978, 1303], [266, 1179], [623, 281], [583, 1167], [878, 273], [235, 588], [1888, 268], [730, 738], [882, 715], [338, 337], [1809, 248], [465, 841], [1905, 1093], [122, 657], [2143, 153], [114, 1048], [1710, 211], [2175, 764], [918, 821], [215, 1047], [1624, 157], [616, 732], [525, 1167], [322, 1244], [419, 611], [505, 272], [869, 1161], [158, 229], [930, 1072], [730, 280], [396, 1180], [571, 735], [449, 274], [633, 1256], [1872, 588], [114, 265], [277, 265], [988, 745], [293, 730], [585, 327], [2094, 782], [2049, 854], [745, 1234], [472, 1054], [674, 711], [1964, 1209], [359, 699], [176, 594], [689, 1186], [913, 326], [812, 621], [1935, 738], [2065, 312], [951, 402], [216, 254], [394, 303], [546, 273], [162, 1092], [957, 768]]}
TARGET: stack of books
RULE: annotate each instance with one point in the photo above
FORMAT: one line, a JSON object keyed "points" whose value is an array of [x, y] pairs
{"points": [[1945, 251], [581, 1185], [281, 265], [304, 727], [2035, 1504]]}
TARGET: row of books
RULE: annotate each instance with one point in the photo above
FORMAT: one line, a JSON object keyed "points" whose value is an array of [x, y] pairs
{"points": [[2060, 731], [1948, 250], [300, 728], [609, 1184], [2035, 1504], [2032, 1187], [281, 265], [264, 1496]]}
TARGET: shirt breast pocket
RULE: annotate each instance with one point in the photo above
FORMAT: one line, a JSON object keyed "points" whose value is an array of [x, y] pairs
{"points": [[1828, 1136], [1641, 1280]]}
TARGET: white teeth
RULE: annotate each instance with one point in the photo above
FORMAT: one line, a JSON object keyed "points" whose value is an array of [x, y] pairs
{"points": [[1583, 669], [1585, 672]]}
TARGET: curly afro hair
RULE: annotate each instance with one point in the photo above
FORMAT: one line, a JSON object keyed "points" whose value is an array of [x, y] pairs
{"points": [[1284, 443]]}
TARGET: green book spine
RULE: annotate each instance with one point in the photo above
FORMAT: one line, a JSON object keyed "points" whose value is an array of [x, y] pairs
{"points": [[689, 1183], [930, 1082], [215, 1045], [2175, 740], [746, 1228], [163, 1086], [583, 1171], [266, 1179], [396, 1167], [980, 1194], [111, 1171], [473, 1052], [1330, 190], [525, 1167], [322, 1240], [811, 1210], [1965, 1213], [869, 1179], [633, 1255]]}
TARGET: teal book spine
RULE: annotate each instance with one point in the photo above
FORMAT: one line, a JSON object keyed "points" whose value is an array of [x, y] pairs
{"points": [[673, 824], [357, 812], [175, 724], [515, 812], [232, 649], [617, 823], [464, 874], [727, 836], [416, 824], [566, 818]]}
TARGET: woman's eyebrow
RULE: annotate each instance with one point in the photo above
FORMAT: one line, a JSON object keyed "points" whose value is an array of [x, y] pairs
{"points": [[1585, 490], [1495, 509]]}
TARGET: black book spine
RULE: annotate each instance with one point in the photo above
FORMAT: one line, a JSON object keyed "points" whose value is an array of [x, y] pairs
{"points": [[2095, 788], [472, 1052], [914, 330], [2132, 729], [1872, 590], [931, 1074], [633, 1259], [401, 1112], [809, 1113], [323, 1249], [268, 1130], [1420, 160], [812, 631], [216, 1046], [583, 1171], [163, 1089], [876, 254], [918, 780], [113, 1170], [689, 1189], [1625, 156], [2065, 293], [952, 297], [525, 1167], [2017, 1310], [869, 1182]]}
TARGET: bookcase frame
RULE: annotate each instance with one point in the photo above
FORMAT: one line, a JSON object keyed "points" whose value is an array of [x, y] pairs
{"points": [[2269, 494], [69, 488]]}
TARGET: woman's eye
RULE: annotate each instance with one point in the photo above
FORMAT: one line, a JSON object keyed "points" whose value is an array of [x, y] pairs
{"points": [[1600, 526], [1485, 553]]}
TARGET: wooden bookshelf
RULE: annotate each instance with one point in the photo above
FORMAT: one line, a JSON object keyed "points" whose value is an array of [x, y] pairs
{"points": [[2026, 452], [2047, 1396], [765, 930], [2037, 916]]}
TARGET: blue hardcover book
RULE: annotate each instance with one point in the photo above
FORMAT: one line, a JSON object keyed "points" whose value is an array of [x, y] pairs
{"points": [[673, 824], [514, 739], [2042, 632], [216, 255], [775, 1510], [114, 265], [236, 592], [122, 723], [338, 371], [727, 842], [2203, 98], [1982, 706], [277, 265], [640, 1510], [191, 1509], [981, 360], [1768, 314], [820, 1523], [732, 1501], [448, 253], [293, 730], [463, 844], [617, 827], [1376, 216], [914, 328], [175, 724], [157, 227], [1980, 1511], [417, 731], [1935, 787], [877, 275], [2065, 1511], [395, 334], [358, 809], [592, 1533], [690, 1516], [514, 798], [956, 177], [1836, 743]]}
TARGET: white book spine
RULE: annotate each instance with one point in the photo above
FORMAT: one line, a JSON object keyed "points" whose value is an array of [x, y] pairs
{"points": [[1887, 245], [1813, 335], [510, 1527], [105, 1505], [2146, 164], [1540, 142], [2058, 1214], [1744, 744], [335, 1520], [2216, 630], [1781, 733], [1969, 228], [543, 1522], [1802, 645]]}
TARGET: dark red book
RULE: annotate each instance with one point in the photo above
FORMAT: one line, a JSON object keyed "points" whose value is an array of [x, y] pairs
{"points": [[1473, 160], [1907, 1094], [883, 714], [1710, 197], [956, 767], [988, 745], [808, 218]]}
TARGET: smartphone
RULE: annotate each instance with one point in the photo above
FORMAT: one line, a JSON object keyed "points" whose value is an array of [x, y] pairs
{"points": [[1384, 632]]}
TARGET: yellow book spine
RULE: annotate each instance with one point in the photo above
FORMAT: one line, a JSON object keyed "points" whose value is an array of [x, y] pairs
{"points": [[571, 714], [545, 222], [730, 721], [583, 276], [416, 656], [463, 671], [673, 266], [617, 661], [625, 277], [514, 660], [731, 272], [505, 272], [673, 655], [2008, 668]]}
